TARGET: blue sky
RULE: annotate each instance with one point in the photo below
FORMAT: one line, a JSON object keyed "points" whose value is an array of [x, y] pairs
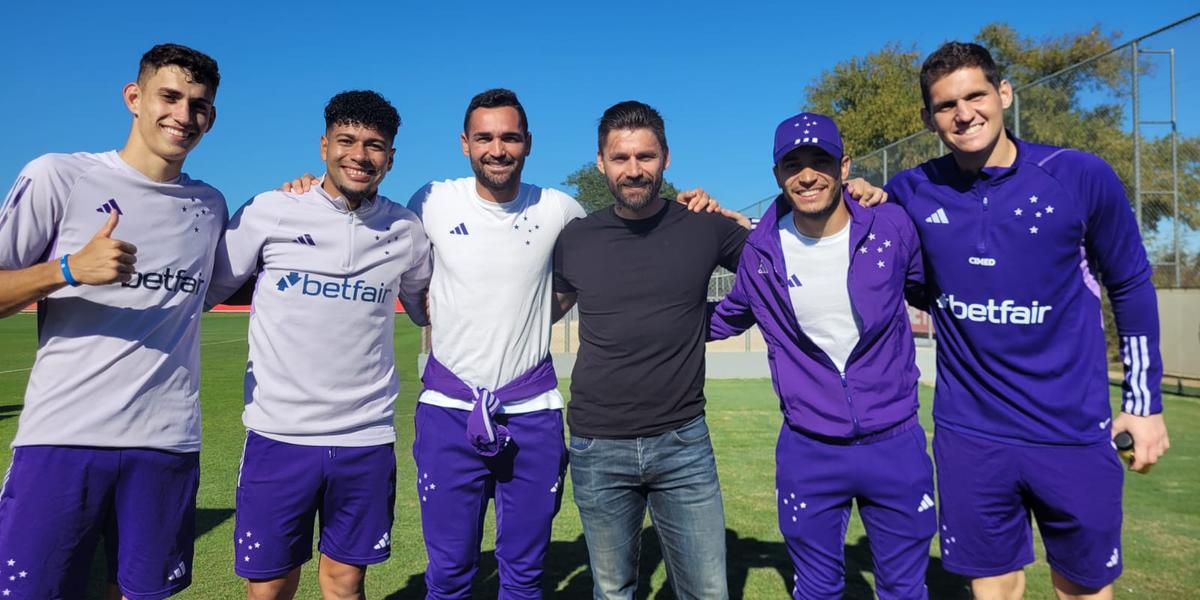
{"points": [[722, 73]]}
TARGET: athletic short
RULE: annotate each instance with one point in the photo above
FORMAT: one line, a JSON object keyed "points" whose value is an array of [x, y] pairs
{"points": [[988, 489], [283, 487], [58, 501]]}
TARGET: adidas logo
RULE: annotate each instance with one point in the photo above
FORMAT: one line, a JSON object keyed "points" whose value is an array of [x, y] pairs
{"points": [[926, 503], [793, 281], [762, 269], [178, 573], [938, 217], [460, 230], [1114, 559], [110, 206], [384, 542], [305, 239]]}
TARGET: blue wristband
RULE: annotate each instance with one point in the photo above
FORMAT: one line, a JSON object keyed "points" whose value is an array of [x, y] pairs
{"points": [[66, 271]]}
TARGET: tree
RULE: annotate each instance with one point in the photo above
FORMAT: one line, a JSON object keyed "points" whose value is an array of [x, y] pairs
{"points": [[876, 100], [591, 188]]}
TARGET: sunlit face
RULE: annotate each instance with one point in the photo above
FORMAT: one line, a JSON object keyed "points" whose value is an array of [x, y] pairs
{"points": [[811, 179], [966, 111], [356, 158], [497, 147], [171, 112], [633, 163]]}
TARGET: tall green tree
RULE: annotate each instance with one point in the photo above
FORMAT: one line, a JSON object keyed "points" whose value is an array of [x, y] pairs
{"points": [[876, 100], [591, 188]]}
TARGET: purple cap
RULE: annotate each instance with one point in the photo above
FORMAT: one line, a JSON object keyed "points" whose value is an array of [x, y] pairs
{"points": [[807, 129]]}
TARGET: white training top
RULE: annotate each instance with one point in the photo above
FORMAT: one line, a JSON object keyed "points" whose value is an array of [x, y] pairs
{"points": [[322, 369], [817, 270], [117, 365], [491, 294]]}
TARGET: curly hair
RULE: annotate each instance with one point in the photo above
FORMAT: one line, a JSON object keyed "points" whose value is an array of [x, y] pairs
{"points": [[198, 65], [363, 107]]}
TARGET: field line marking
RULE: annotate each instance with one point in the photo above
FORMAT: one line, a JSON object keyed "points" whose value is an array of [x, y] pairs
{"points": [[223, 342], [204, 344]]}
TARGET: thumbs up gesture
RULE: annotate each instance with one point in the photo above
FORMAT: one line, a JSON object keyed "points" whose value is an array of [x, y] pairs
{"points": [[104, 260]]}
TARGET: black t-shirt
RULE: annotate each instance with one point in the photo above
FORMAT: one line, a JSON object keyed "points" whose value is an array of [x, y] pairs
{"points": [[642, 287]]}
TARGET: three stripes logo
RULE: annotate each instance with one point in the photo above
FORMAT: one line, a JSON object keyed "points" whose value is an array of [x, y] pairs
{"points": [[305, 239], [793, 282], [926, 503], [938, 217], [178, 573], [110, 206], [460, 230], [384, 542]]}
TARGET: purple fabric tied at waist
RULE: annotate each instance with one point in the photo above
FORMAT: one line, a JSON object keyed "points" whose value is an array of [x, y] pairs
{"points": [[488, 437]]}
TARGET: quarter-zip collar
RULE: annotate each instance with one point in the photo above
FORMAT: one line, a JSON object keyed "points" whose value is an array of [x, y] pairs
{"points": [[365, 208], [960, 179]]}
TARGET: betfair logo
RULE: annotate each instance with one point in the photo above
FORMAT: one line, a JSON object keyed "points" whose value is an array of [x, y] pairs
{"points": [[171, 281], [344, 289]]}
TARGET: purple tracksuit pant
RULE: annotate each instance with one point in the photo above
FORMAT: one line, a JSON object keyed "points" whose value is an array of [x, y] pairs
{"points": [[455, 484], [890, 477]]}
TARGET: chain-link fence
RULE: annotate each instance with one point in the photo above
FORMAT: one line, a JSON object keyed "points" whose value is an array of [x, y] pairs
{"points": [[1123, 106]]}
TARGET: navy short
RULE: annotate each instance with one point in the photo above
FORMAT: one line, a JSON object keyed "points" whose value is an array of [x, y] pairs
{"points": [[988, 490], [59, 500], [283, 487]]}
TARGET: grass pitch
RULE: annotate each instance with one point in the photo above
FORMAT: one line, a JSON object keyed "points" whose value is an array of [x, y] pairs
{"points": [[1162, 515]]}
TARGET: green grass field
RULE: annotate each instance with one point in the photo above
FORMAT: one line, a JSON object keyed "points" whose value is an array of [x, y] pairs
{"points": [[1162, 528]]}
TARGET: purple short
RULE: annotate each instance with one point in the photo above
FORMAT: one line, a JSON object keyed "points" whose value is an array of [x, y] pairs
{"points": [[283, 487], [58, 501], [891, 480], [989, 488]]}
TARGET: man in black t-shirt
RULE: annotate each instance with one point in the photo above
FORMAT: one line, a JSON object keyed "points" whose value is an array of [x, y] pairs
{"points": [[640, 272]]}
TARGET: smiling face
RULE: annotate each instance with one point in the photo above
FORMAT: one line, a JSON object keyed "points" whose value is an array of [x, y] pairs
{"points": [[356, 158], [633, 162], [811, 179], [171, 112], [497, 145], [967, 112]]}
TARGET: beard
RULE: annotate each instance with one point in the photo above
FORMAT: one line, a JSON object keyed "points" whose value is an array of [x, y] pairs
{"points": [[637, 196], [497, 181]]}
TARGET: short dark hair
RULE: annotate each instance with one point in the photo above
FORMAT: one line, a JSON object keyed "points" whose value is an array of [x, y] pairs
{"points": [[632, 114], [495, 98], [953, 56], [198, 65], [363, 107]]}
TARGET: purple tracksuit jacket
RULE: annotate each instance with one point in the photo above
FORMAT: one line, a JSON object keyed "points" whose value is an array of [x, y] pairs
{"points": [[878, 390], [1014, 256]]}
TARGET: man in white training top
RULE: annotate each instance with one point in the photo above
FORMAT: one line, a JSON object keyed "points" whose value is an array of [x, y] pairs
{"points": [[321, 380], [109, 439]]}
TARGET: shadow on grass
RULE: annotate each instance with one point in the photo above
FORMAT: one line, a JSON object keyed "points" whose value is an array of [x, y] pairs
{"points": [[567, 575], [9, 411], [207, 519]]}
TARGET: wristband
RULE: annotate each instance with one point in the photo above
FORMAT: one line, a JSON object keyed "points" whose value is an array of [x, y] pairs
{"points": [[66, 271]]}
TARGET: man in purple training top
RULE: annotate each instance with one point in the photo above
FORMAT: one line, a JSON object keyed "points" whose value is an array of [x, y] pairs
{"points": [[109, 438], [825, 281], [1015, 235]]}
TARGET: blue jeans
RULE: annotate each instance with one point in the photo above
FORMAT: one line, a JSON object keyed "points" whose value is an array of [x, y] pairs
{"points": [[676, 473]]}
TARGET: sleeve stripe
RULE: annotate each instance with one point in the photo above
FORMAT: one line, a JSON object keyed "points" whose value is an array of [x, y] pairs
{"points": [[1136, 361], [1141, 339]]}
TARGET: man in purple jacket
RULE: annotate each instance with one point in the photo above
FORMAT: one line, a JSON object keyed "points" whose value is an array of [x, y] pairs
{"points": [[825, 281], [1016, 236]]}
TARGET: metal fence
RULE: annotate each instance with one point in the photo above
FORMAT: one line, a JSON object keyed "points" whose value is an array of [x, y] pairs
{"points": [[1123, 106]]}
